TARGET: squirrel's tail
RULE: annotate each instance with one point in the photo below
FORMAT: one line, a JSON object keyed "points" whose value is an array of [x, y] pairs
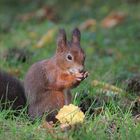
{"points": [[12, 94]]}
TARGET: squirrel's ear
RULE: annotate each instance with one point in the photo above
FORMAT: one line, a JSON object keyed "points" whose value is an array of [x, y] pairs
{"points": [[62, 39], [76, 36]]}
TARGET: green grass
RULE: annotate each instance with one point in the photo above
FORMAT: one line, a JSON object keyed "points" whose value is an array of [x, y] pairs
{"points": [[116, 121]]}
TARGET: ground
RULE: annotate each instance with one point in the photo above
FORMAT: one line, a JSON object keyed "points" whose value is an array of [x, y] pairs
{"points": [[112, 56]]}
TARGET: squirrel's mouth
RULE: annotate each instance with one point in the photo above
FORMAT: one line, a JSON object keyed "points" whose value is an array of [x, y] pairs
{"points": [[75, 70]]}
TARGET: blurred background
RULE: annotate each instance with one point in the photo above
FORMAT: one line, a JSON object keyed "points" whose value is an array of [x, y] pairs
{"points": [[110, 35]]}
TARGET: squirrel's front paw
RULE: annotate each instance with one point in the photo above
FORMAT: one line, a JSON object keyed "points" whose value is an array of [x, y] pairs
{"points": [[81, 76], [85, 74]]}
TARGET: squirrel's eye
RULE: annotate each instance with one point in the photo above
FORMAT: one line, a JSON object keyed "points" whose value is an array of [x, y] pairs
{"points": [[69, 57]]}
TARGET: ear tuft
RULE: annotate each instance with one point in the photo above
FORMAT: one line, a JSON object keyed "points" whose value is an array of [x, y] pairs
{"points": [[61, 40], [76, 36]]}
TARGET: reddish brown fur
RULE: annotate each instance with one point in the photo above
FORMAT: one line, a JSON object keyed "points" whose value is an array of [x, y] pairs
{"points": [[48, 82]]}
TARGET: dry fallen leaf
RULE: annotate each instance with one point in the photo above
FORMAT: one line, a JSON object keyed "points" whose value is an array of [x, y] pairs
{"points": [[107, 88], [15, 72], [46, 38], [90, 23], [98, 110], [50, 128], [45, 12], [113, 19], [70, 114]]}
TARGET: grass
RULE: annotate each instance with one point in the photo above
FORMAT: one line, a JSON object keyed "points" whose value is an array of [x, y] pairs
{"points": [[116, 121]]}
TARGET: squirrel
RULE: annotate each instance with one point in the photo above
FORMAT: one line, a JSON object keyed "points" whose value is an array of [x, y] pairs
{"points": [[48, 83], [11, 92]]}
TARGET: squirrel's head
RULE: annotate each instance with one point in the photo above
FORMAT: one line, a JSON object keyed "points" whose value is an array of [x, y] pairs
{"points": [[69, 54]]}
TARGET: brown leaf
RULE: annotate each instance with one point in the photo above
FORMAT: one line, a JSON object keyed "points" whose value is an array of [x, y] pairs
{"points": [[106, 88], [41, 14], [90, 23], [65, 127], [50, 128], [98, 110], [113, 19], [15, 72], [25, 17]]}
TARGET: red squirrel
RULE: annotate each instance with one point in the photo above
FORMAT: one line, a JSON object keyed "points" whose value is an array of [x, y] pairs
{"points": [[48, 83]]}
